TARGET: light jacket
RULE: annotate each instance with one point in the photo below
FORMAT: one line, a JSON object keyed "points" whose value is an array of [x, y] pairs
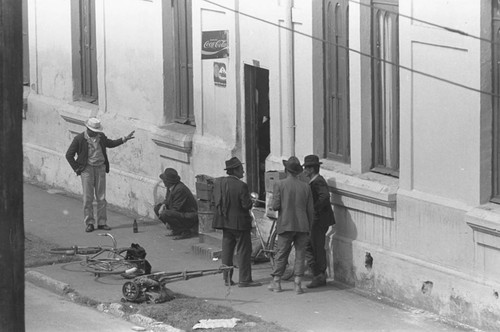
{"points": [[293, 200]]}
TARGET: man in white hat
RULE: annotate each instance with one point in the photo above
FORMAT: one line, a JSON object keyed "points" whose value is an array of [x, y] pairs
{"points": [[92, 164]]}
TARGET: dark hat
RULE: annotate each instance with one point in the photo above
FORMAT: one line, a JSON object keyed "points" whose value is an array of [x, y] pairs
{"points": [[292, 165], [311, 160], [232, 163], [170, 176]]}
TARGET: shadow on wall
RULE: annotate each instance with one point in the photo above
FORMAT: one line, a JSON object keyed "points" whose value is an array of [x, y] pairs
{"points": [[340, 256], [159, 192]]}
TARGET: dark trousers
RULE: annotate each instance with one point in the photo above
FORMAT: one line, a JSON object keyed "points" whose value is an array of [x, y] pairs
{"points": [[241, 241], [179, 221], [315, 249]]}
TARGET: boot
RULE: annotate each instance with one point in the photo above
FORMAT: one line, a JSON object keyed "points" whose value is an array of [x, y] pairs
{"points": [[275, 285], [317, 281], [298, 285]]}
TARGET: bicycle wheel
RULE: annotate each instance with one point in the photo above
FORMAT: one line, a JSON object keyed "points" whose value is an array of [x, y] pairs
{"points": [[75, 250], [107, 266], [273, 244]]}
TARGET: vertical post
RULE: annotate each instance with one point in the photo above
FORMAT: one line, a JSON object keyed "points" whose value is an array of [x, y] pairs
{"points": [[11, 168], [290, 78]]}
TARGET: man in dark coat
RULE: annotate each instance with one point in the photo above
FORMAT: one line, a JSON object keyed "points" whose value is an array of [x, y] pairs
{"points": [[323, 219], [92, 164], [232, 215], [179, 209], [292, 198]]}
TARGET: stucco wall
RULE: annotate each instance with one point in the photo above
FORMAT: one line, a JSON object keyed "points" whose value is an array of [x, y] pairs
{"points": [[131, 59], [440, 122], [50, 36]]}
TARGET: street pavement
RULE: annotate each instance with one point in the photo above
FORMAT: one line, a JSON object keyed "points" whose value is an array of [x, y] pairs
{"points": [[57, 217], [49, 312]]}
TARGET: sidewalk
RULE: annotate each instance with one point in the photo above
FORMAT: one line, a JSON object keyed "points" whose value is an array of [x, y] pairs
{"points": [[56, 217]]}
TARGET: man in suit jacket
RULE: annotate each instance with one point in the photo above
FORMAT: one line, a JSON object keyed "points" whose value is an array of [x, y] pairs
{"points": [[292, 198], [323, 219], [179, 209], [232, 214]]}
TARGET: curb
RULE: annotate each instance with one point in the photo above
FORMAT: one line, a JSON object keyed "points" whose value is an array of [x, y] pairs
{"points": [[115, 309]]}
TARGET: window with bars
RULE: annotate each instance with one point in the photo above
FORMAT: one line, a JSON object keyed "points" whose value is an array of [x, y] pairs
{"points": [[385, 88], [88, 55], [496, 101], [337, 139]]}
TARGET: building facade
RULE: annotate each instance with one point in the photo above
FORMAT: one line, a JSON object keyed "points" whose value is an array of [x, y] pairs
{"points": [[398, 98]]}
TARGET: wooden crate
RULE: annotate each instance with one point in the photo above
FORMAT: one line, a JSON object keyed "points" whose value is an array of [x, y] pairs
{"points": [[272, 177]]}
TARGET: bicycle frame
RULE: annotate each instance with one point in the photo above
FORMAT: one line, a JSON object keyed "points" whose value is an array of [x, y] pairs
{"points": [[266, 245]]}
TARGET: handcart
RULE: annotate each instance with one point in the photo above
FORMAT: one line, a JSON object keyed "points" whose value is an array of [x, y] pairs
{"points": [[150, 288]]}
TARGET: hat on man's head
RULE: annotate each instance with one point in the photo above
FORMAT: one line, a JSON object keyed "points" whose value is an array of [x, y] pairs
{"points": [[311, 160], [232, 163], [170, 176], [292, 165], [94, 124]]}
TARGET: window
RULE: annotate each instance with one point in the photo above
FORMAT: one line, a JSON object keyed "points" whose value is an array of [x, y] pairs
{"points": [[337, 80], [183, 61], [496, 101], [84, 51], [385, 88]]}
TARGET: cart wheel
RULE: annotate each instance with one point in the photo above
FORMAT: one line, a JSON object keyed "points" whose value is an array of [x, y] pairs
{"points": [[131, 291]]}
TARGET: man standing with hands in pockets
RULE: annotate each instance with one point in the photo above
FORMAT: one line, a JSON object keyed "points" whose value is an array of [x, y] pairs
{"points": [[323, 219]]}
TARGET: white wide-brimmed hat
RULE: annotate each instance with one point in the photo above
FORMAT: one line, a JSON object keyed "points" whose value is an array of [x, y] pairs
{"points": [[94, 124]]}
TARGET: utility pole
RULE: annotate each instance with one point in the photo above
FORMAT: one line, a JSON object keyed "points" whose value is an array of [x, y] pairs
{"points": [[11, 168]]}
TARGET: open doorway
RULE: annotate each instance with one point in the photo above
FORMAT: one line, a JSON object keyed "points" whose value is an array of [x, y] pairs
{"points": [[257, 127]]}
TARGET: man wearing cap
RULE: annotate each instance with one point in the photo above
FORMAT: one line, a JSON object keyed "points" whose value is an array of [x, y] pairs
{"points": [[92, 164], [323, 219], [292, 198], [232, 205], [179, 209]]}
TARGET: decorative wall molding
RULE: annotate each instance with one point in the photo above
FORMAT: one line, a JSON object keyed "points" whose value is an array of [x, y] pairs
{"points": [[175, 141], [485, 223]]}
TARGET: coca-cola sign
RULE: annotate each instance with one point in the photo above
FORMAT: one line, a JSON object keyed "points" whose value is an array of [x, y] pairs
{"points": [[214, 44]]}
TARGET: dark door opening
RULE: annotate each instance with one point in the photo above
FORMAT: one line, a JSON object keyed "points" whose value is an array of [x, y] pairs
{"points": [[257, 127]]}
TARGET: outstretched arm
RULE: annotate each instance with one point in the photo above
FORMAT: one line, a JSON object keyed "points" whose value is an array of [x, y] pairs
{"points": [[128, 137]]}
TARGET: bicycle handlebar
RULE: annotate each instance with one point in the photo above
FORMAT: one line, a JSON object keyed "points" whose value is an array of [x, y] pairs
{"points": [[111, 236]]}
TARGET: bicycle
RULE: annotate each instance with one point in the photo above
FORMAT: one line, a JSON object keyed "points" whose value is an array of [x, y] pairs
{"points": [[102, 259], [269, 246]]}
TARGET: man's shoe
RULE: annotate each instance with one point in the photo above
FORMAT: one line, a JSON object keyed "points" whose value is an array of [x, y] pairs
{"points": [[183, 235], [90, 228], [298, 286], [275, 285], [229, 283], [105, 227], [173, 233], [317, 281], [250, 284]]}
